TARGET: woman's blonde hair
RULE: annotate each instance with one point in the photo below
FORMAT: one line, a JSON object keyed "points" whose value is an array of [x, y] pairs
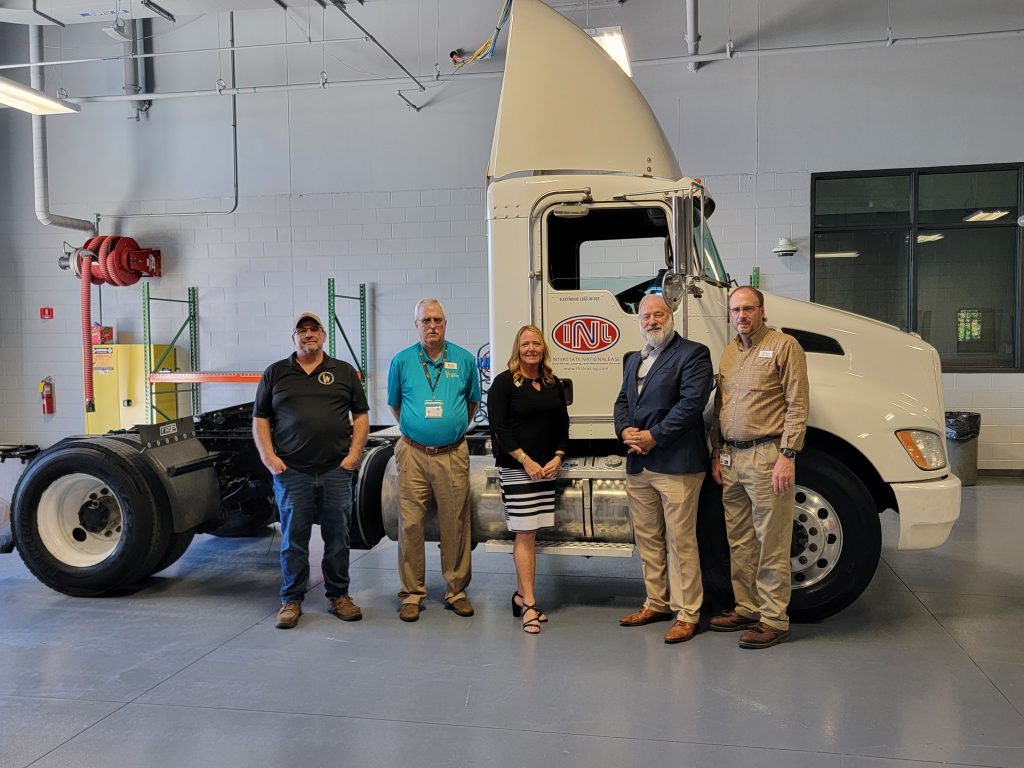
{"points": [[515, 367]]}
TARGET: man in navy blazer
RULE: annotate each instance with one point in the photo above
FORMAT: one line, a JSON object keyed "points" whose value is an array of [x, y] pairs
{"points": [[659, 415]]}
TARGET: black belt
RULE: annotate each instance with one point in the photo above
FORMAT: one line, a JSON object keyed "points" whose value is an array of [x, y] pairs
{"points": [[751, 443], [432, 450]]}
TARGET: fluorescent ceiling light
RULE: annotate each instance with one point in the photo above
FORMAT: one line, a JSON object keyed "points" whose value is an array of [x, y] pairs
{"points": [[614, 44], [985, 215], [837, 255], [27, 99], [929, 238]]}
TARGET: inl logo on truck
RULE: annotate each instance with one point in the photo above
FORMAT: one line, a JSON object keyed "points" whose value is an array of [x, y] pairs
{"points": [[585, 334]]}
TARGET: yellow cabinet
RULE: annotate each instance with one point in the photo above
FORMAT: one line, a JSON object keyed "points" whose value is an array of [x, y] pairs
{"points": [[119, 387]]}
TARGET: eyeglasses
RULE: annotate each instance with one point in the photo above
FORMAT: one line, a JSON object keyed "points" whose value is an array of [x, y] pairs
{"points": [[434, 321], [749, 310]]}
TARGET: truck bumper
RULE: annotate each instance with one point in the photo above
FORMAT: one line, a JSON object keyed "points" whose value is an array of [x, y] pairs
{"points": [[927, 511]]}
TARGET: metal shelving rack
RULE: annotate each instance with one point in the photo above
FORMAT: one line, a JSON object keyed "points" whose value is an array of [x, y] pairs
{"points": [[194, 378], [333, 321], [191, 324]]}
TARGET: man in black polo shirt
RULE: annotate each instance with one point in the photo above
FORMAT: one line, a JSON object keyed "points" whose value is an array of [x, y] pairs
{"points": [[310, 423]]}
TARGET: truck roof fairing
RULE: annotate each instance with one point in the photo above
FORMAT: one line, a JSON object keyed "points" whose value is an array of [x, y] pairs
{"points": [[567, 106]]}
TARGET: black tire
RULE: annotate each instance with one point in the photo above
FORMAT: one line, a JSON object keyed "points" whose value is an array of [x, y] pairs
{"points": [[837, 531], [831, 503], [85, 519], [367, 527], [713, 544], [179, 543]]}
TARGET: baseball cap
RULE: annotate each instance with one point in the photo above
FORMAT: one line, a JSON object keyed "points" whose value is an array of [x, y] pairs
{"points": [[308, 316]]}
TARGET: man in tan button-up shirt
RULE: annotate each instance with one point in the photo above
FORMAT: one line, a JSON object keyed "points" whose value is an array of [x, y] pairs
{"points": [[760, 421]]}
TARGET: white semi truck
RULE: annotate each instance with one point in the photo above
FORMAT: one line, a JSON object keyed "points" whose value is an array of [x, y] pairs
{"points": [[587, 210]]}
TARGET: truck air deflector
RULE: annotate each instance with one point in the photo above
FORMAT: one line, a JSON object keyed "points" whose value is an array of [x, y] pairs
{"points": [[587, 117]]}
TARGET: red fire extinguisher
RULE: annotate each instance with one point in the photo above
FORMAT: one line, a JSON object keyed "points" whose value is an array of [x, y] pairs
{"points": [[46, 390]]}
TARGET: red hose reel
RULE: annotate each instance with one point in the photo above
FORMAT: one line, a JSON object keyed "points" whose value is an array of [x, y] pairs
{"points": [[110, 260]]}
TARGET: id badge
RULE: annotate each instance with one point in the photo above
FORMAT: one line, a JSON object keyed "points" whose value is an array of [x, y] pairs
{"points": [[725, 459], [434, 409]]}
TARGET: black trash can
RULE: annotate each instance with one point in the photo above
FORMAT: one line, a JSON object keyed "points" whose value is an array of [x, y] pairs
{"points": [[962, 430]]}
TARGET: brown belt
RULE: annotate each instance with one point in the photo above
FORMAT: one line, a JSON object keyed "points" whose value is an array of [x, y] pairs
{"points": [[432, 450]]}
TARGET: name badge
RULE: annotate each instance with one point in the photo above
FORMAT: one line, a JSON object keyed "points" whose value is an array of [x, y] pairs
{"points": [[725, 460], [766, 353], [433, 409], [449, 365]]}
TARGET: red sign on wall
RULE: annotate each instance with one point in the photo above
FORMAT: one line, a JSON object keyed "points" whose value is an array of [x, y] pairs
{"points": [[46, 313], [585, 334]]}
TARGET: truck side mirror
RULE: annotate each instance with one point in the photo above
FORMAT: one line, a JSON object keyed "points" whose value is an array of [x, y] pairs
{"points": [[673, 288]]}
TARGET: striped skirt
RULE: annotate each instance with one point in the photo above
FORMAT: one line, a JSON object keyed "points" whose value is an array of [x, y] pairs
{"points": [[529, 504]]}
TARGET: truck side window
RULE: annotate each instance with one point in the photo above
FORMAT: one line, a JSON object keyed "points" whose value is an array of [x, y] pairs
{"points": [[621, 250]]}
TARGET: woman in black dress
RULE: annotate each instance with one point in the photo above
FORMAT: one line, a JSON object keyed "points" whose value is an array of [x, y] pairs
{"points": [[529, 435]]}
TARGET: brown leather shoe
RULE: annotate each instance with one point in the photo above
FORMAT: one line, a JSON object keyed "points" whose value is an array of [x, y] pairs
{"points": [[730, 621], [680, 632], [409, 612], [344, 608], [644, 616], [461, 607], [762, 636], [288, 616]]}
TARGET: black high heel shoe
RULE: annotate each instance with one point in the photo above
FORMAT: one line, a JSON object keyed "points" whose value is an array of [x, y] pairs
{"points": [[531, 626], [517, 608]]}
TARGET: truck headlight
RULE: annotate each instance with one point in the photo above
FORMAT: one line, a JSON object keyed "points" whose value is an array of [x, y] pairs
{"points": [[925, 448]]}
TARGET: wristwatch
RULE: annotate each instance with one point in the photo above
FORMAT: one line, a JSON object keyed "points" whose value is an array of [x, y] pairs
{"points": [[789, 453]]}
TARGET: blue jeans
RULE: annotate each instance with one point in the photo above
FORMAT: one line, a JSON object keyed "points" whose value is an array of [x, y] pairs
{"points": [[299, 497]]}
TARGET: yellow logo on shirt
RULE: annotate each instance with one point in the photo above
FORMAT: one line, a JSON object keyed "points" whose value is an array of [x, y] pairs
{"points": [[326, 378]]}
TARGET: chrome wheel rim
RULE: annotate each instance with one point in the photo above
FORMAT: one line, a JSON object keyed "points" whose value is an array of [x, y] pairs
{"points": [[817, 538]]}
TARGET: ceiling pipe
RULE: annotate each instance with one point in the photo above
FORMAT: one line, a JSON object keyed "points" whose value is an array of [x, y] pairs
{"points": [[692, 33], [731, 53], [50, 19], [147, 55], [40, 161], [234, 142], [341, 7], [703, 57]]}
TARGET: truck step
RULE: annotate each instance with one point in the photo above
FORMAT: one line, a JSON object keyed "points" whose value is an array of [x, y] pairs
{"points": [[578, 548]]}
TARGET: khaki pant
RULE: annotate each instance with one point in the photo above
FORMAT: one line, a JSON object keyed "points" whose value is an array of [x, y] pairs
{"points": [[760, 529], [664, 512], [443, 479]]}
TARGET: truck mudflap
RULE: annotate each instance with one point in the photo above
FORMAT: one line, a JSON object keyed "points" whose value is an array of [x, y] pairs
{"points": [[927, 510]]}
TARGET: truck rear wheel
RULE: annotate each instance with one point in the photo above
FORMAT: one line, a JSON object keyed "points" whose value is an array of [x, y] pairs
{"points": [[367, 526], [86, 521], [179, 543]]}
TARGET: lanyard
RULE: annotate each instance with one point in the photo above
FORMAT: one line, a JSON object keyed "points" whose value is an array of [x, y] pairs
{"points": [[433, 385]]}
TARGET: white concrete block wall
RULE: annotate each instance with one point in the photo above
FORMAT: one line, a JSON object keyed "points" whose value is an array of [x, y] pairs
{"points": [[752, 212], [255, 269], [999, 398]]}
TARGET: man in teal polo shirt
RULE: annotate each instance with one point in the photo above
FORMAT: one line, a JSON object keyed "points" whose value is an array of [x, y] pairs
{"points": [[433, 391]]}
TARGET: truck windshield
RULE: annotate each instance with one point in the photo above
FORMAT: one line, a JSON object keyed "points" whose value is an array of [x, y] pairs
{"points": [[713, 268], [622, 250]]}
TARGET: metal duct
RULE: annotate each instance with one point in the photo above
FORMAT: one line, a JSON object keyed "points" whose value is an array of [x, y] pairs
{"points": [[40, 163]]}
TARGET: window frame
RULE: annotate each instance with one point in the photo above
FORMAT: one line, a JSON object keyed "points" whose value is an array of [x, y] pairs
{"points": [[912, 229]]}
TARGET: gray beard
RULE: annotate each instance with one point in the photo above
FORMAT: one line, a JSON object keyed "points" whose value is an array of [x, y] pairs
{"points": [[657, 338]]}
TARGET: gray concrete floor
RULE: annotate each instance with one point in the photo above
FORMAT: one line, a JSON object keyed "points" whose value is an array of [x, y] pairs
{"points": [[927, 668]]}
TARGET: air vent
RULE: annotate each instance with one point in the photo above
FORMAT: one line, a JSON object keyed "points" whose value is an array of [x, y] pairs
{"points": [[815, 342]]}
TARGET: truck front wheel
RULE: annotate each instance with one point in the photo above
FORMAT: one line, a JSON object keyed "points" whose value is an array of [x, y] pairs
{"points": [[837, 538]]}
